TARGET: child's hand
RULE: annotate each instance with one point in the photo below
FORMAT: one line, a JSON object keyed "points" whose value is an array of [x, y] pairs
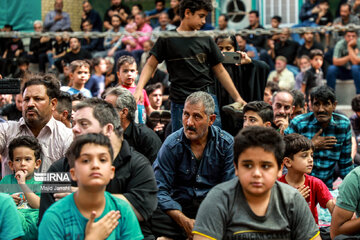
{"points": [[304, 191], [16, 198], [102, 228], [21, 176]]}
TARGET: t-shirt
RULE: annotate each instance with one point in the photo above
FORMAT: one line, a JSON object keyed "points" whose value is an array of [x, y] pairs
{"points": [[85, 92], [319, 193], [189, 61], [341, 50], [12, 47], [312, 79], [12, 185], [63, 220], [9, 219], [349, 192], [225, 214]]}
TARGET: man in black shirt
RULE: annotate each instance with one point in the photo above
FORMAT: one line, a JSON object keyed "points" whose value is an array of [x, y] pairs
{"points": [[309, 45], [116, 8], [139, 136], [76, 52], [257, 41]]}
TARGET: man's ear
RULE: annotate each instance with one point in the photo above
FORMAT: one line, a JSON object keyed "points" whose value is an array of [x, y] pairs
{"points": [[287, 162], [212, 118], [267, 124], [64, 115], [37, 163], [292, 109], [53, 103], [125, 112], [335, 103], [108, 129]]}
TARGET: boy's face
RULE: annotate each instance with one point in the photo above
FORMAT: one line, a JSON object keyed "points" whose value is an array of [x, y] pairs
{"points": [[197, 19], [225, 46], [257, 171], [24, 160], [93, 168], [81, 75], [267, 96], [251, 118], [317, 62], [274, 23], [301, 162], [127, 74]]}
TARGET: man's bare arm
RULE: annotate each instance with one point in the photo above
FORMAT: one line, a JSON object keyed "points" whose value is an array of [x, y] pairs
{"points": [[342, 222], [146, 74]]}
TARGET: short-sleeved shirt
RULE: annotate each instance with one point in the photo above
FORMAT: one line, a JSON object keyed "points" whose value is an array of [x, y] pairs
{"points": [[319, 193], [341, 50], [226, 214], [63, 220], [10, 224], [85, 92], [349, 192], [189, 61]]}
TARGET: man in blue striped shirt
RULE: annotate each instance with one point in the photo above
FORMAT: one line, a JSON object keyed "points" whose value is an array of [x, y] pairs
{"points": [[330, 132]]}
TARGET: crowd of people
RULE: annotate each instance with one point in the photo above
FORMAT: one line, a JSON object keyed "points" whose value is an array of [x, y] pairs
{"points": [[144, 136]]}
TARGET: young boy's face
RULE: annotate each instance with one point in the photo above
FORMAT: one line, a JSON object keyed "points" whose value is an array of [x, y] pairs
{"points": [[251, 118], [301, 162], [225, 46], [24, 160], [127, 74], [197, 19], [317, 62], [274, 23], [257, 171], [93, 168], [81, 75]]}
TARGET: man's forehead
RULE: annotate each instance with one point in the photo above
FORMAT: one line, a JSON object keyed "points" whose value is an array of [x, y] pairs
{"points": [[85, 113], [38, 88], [321, 101], [284, 98], [195, 108]]}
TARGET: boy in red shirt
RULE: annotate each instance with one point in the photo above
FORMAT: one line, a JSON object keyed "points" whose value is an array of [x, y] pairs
{"points": [[298, 159]]}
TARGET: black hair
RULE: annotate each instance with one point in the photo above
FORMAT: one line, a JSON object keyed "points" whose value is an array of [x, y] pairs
{"points": [[8, 26], [263, 109], [124, 59], [152, 87], [162, 1], [23, 61], [139, 6], [51, 84], [316, 52], [223, 37], [277, 18], [64, 103], [193, 6], [323, 94], [295, 143], [274, 86], [76, 146], [346, 4], [355, 103], [115, 15], [299, 99], [225, 17], [254, 12], [25, 141], [254, 136]]}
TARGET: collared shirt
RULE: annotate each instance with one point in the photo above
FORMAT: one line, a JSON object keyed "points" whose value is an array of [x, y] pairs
{"points": [[341, 50], [286, 79], [181, 177], [337, 36], [326, 160], [52, 26], [54, 138]]}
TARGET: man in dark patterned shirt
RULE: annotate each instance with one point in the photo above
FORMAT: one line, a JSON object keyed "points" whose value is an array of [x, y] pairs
{"points": [[330, 132]]}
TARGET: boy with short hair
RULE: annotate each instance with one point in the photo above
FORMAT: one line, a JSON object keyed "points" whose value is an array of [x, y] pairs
{"points": [[258, 113], [298, 159], [79, 75], [90, 212], [314, 76], [254, 205], [191, 62], [126, 70]]}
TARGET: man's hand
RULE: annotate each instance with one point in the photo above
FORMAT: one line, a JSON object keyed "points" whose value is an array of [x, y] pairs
{"points": [[59, 196], [20, 176], [323, 142], [188, 225], [102, 228], [58, 17], [352, 43], [282, 123], [304, 191]]}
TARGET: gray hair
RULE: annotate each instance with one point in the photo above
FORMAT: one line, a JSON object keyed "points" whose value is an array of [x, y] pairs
{"points": [[125, 99], [204, 98], [38, 22], [282, 91]]}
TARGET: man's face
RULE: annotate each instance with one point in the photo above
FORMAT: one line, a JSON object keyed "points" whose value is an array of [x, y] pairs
{"points": [[74, 44], [38, 27], [195, 121], [304, 64], [297, 111], [267, 96], [284, 35], [309, 37], [127, 74], [257, 171], [58, 5], [159, 6], [115, 22], [323, 110], [84, 122], [86, 7], [241, 42], [251, 118], [18, 101], [163, 19], [317, 62], [222, 23], [139, 20], [196, 20], [37, 107], [344, 12], [87, 27], [155, 98], [282, 105], [174, 3], [280, 65], [115, 3], [253, 19], [349, 36]]}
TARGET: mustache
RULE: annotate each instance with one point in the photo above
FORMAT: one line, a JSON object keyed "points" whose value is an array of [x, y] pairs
{"points": [[281, 115], [191, 128], [32, 109]]}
